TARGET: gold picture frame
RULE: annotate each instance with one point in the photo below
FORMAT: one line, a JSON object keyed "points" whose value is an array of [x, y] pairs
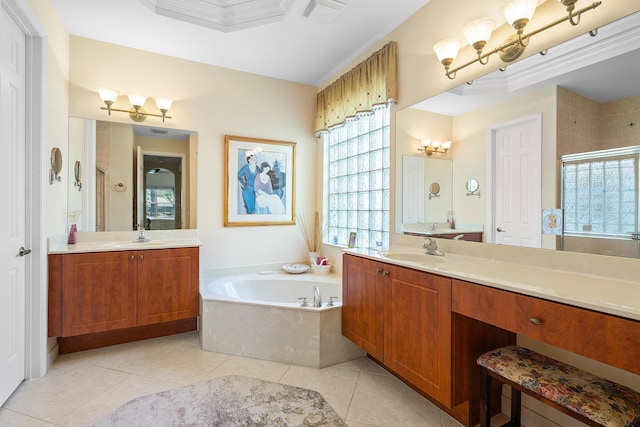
{"points": [[259, 182]]}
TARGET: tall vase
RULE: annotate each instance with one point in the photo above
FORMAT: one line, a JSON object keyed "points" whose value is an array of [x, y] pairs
{"points": [[313, 256]]}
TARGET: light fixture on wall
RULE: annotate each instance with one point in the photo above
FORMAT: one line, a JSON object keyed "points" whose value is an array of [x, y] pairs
{"points": [[136, 112], [429, 148], [518, 13]]}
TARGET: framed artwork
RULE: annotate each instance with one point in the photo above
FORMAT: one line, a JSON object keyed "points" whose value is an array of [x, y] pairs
{"points": [[352, 239], [259, 182]]}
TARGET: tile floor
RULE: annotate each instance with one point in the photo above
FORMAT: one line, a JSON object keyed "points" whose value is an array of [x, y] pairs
{"points": [[81, 387]]}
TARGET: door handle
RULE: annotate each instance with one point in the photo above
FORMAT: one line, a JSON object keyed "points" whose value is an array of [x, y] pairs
{"points": [[24, 251], [500, 230]]}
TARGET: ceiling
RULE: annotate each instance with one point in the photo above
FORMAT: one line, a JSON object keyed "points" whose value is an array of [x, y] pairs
{"points": [[266, 37]]}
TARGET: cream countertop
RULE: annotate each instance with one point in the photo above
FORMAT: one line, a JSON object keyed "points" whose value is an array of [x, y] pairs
{"points": [[124, 241], [441, 228], [619, 296]]}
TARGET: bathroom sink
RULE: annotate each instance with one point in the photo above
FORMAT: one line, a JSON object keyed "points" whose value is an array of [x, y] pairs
{"points": [[420, 258], [141, 245]]}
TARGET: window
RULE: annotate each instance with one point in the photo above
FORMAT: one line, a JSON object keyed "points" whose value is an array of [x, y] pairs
{"points": [[160, 202], [599, 192], [358, 178]]}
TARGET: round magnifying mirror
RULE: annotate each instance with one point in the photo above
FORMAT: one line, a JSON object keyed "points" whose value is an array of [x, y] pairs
{"points": [[435, 188], [56, 160], [472, 185], [78, 170]]}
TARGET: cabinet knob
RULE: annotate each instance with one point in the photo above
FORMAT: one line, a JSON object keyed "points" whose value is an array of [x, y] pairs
{"points": [[132, 257], [385, 273], [378, 270], [535, 321], [141, 257]]}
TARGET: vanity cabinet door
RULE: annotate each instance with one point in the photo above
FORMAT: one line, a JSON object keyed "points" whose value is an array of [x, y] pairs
{"points": [[417, 330], [362, 304], [98, 292], [168, 282]]}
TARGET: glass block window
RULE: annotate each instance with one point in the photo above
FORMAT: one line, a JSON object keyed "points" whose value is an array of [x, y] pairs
{"points": [[357, 176], [600, 193]]}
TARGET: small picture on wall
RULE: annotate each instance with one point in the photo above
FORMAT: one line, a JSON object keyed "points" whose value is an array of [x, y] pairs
{"points": [[352, 239]]}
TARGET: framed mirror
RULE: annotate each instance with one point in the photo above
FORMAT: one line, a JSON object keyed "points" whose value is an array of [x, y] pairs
{"points": [[473, 187], [56, 165], [132, 174], [434, 190], [582, 90]]}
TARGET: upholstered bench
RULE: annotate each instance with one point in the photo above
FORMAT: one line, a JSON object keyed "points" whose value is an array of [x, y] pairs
{"points": [[590, 399]]}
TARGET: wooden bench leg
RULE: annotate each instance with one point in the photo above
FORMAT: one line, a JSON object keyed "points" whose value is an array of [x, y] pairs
{"points": [[485, 397], [515, 407]]}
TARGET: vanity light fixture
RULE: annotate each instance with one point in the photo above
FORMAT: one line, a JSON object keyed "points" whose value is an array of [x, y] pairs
{"points": [[136, 112], [429, 148], [518, 13]]}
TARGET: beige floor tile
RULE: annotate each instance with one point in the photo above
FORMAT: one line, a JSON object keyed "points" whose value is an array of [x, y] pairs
{"points": [[372, 367], [383, 400], [99, 406], [351, 365], [357, 424], [10, 418], [254, 368], [60, 391], [335, 385]]}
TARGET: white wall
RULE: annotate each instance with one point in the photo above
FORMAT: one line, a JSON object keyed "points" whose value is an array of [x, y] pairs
{"points": [[214, 102]]}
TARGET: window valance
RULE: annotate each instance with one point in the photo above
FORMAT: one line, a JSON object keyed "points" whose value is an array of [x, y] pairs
{"points": [[370, 83]]}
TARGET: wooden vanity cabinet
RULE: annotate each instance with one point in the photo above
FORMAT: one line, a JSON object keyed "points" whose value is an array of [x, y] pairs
{"points": [[101, 292], [98, 292], [402, 317], [362, 304]]}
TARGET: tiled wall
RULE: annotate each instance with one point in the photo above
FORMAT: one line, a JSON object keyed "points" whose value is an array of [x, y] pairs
{"points": [[586, 125]]}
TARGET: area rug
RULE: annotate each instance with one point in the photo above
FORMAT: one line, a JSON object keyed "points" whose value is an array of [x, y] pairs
{"points": [[227, 401]]}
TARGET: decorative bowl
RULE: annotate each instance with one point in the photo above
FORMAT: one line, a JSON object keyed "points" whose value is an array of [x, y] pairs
{"points": [[295, 268]]}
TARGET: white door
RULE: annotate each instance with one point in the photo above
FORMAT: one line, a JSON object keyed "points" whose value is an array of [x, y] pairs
{"points": [[12, 215], [412, 189], [517, 177]]}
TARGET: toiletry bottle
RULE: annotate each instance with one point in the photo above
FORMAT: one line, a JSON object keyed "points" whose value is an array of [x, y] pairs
{"points": [[453, 223], [72, 235]]}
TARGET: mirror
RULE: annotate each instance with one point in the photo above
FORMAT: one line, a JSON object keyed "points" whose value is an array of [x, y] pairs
{"points": [[473, 187], [77, 173], [56, 165], [434, 190], [577, 94], [132, 175]]}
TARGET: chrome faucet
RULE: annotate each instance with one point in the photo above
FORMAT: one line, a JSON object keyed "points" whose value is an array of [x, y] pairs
{"points": [[141, 237], [431, 247], [317, 299]]}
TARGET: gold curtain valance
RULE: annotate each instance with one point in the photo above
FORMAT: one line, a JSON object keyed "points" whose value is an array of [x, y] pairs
{"points": [[370, 83]]}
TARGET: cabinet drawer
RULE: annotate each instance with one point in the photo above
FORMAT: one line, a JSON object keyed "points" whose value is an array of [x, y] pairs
{"points": [[607, 338]]}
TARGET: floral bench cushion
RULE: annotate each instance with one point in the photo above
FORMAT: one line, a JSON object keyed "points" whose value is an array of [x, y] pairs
{"points": [[596, 398]]}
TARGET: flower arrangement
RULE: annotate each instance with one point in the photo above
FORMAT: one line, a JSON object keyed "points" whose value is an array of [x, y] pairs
{"points": [[311, 231]]}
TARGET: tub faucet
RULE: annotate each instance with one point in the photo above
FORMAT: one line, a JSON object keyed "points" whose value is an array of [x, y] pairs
{"points": [[431, 247], [317, 299]]}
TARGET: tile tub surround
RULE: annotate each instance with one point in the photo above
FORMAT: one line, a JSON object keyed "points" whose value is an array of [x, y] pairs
{"points": [[285, 333]]}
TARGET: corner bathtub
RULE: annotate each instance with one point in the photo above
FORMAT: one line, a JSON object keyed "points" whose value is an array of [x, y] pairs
{"points": [[259, 316]]}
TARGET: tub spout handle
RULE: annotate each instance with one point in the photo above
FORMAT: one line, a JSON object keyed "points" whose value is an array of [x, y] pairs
{"points": [[330, 303], [304, 302]]}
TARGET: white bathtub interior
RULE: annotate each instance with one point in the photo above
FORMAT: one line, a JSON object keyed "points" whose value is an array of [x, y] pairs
{"points": [[268, 323]]}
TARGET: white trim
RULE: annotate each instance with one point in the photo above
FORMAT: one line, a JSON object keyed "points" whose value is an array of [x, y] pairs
{"points": [[36, 176]]}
